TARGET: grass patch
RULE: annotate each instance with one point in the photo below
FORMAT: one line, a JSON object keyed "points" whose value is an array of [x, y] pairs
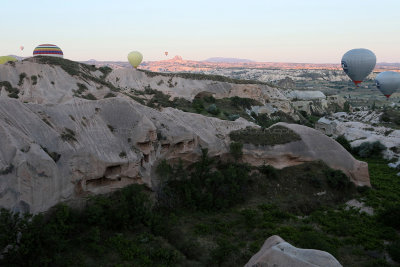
{"points": [[274, 135]]}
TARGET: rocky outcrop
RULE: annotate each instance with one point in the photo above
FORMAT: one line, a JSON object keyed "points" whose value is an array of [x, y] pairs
{"points": [[304, 95], [53, 153], [57, 147], [277, 252], [312, 146], [359, 127]]}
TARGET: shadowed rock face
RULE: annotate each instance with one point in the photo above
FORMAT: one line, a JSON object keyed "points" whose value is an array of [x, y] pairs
{"points": [[278, 253]]}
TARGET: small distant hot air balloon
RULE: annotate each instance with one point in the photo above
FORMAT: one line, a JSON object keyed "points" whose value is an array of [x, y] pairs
{"points": [[21, 47], [48, 50], [5, 59], [166, 53], [388, 82], [358, 64], [135, 58]]}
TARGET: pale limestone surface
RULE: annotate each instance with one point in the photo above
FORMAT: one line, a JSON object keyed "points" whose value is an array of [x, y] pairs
{"points": [[276, 252]]}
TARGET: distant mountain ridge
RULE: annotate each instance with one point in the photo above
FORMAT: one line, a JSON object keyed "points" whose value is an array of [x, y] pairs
{"points": [[228, 60]]}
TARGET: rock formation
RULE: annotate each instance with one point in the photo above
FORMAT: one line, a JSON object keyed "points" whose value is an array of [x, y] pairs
{"points": [[277, 252], [56, 146], [313, 146]]}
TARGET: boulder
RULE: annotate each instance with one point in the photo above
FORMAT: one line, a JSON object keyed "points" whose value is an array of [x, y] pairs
{"points": [[313, 146], [276, 252]]}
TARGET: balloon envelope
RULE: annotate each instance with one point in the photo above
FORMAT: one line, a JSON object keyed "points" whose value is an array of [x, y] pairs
{"points": [[5, 59], [48, 50], [358, 64], [135, 58], [388, 82]]}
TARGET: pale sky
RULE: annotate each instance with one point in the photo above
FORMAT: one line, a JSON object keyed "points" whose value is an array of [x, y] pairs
{"points": [[319, 31]]}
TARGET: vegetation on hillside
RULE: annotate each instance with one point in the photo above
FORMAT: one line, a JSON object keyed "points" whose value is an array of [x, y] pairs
{"points": [[274, 135], [12, 92], [226, 108], [74, 68], [199, 76], [214, 213]]}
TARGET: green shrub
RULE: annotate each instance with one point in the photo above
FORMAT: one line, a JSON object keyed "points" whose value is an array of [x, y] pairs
{"points": [[337, 179], [68, 135], [341, 139], [105, 70], [89, 97], [108, 95], [269, 171], [394, 250], [212, 109], [390, 216], [22, 76], [233, 117], [235, 149], [264, 120], [265, 137], [12, 92], [203, 189], [367, 149], [34, 79], [242, 102]]}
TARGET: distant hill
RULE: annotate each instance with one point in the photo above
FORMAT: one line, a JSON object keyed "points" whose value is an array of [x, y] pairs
{"points": [[228, 60]]}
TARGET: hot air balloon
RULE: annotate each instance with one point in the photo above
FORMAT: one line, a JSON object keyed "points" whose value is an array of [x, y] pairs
{"points": [[21, 47], [358, 64], [6, 59], [48, 50], [166, 53], [388, 82], [135, 58]]}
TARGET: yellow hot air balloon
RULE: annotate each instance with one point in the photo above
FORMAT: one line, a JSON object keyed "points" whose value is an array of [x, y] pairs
{"points": [[5, 59], [135, 58]]}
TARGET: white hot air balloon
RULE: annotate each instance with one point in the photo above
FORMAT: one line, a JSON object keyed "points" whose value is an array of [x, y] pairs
{"points": [[358, 64], [388, 82]]}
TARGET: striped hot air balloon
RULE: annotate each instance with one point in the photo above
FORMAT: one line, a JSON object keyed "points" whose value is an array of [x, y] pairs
{"points": [[48, 50]]}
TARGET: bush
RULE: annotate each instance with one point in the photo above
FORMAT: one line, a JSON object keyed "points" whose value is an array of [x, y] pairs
{"points": [[233, 117], [108, 95], [235, 149], [68, 135], [203, 188], [22, 76], [269, 171], [367, 149], [394, 250], [89, 97], [34, 79], [337, 179], [344, 142], [264, 137], [390, 216], [212, 109]]}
